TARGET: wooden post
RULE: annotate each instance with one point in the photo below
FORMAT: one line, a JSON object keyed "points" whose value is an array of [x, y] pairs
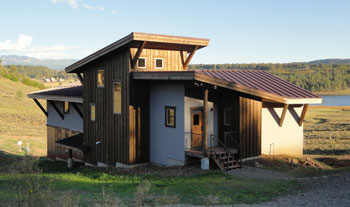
{"points": [[80, 78], [205, 119], [285, 107], [303, 113]]}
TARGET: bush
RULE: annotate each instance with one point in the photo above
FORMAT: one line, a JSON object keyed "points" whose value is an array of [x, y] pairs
{"points": [[19, 95]]}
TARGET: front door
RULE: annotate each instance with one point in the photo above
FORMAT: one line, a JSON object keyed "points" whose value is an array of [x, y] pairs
{"points": [[196, 127]]}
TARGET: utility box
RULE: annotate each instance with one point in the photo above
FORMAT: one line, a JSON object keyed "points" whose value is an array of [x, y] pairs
{"points": [[205, 164]]}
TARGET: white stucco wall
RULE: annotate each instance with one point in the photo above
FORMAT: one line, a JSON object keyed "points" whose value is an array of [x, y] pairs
{"points": [[212, 120], [71, 121], [287, 139], [166, 143]]}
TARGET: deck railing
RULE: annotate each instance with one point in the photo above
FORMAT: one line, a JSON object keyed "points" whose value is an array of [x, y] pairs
{"points": [[230, 136]]}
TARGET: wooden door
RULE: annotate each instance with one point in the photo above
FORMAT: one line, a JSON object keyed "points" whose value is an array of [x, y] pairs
{"points": [[196, 127]]}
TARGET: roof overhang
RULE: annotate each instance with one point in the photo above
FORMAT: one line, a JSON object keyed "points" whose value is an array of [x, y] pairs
{"points": [[56, 98], [153, 41], [196, 76]]}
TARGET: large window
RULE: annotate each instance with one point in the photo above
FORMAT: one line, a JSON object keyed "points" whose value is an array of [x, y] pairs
{"points": [[92, 112], [117, 97], [170, 116], [141, 63], [227, 116], [159, 63], [100, 78], [66, 107]]}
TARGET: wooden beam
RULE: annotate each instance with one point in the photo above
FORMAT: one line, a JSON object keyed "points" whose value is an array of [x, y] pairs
{"points": [[303, 113], [137, 55], [40, 106], [285, 108], [56, 109], [205, 119], [77, 109], [80, 78], [188, 59]]}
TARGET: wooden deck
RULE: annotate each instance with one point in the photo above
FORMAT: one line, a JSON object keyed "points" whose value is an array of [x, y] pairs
{"points": [[199, 153]]}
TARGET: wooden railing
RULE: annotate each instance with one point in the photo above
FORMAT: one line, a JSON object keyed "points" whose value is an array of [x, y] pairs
{"points": [[235, 142]]}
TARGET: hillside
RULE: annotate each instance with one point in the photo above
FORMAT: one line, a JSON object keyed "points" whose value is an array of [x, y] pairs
{"points": [[21, 119], [330, 61], [57, 64]]}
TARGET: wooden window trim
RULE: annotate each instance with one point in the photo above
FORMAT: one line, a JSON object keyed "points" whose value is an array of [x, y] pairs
{"points": [[103, 78], [92, 104], [229, 117], [155, 63], [64, 107], [166, 120], [145, 63], [121, 96]]}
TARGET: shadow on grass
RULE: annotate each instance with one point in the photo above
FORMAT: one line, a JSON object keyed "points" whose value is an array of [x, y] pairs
{"points": [[335, 162], [326, 152], [6, 159]]}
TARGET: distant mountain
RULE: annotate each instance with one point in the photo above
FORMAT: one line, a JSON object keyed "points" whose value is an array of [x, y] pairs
{"points": [[56, 64], [329, 61]]}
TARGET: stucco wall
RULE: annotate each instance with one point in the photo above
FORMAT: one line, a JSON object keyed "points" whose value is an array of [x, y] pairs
{"points": [[212, 120], [71, 121], [287, 139], [166, 143]]}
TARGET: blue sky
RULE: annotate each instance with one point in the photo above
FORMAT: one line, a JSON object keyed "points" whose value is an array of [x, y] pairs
{"points": [[245, 31]]}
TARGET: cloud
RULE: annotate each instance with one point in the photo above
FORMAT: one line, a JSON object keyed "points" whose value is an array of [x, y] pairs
{"points": [[72, 3], [22, 42], [89, 7], [101, 8], [114, 12]]}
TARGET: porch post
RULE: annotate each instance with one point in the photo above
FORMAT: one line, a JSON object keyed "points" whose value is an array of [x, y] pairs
{"points": [[205, 119]]}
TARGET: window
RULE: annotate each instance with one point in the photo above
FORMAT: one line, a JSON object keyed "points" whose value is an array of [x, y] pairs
{"points": [[159, 63], [117, 97], [227, 117], [195, 119], [141, 62], [92, 112], [66, 107], [100, 78], [170, 116]]}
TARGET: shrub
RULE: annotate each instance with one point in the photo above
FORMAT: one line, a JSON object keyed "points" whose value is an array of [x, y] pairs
{"points": [[19, 95]]}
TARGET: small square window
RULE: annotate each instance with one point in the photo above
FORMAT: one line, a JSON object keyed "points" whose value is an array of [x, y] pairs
{"points": [[227, 116], [170, 116], [92, 112], [159, 63], [66, 107], [100, 78], [141, 63]]}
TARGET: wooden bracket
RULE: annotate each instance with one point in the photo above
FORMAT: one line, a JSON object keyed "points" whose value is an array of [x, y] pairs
{"points": [[188, 59], [40, 106], [80, 78], [285, 107], [56, 109], [137, 55], [303, 113], [77, 109]]}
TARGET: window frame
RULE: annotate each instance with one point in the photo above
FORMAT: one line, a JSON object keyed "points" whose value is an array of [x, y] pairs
{"points": [[64, 107], [103, 82], [155, 63], [90, 114], [145, 63], [166, 117], [121, 96], [229, 117]]}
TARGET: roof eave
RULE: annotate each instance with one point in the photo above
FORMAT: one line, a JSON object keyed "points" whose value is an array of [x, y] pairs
{"points": [[56, 98]]}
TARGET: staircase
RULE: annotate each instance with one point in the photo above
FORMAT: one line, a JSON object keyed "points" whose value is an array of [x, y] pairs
{"points": [[226, 159]]}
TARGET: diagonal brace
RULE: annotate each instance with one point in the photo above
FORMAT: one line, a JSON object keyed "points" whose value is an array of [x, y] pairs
{"points": [[40, 106], [56, 109], [137, 55]]}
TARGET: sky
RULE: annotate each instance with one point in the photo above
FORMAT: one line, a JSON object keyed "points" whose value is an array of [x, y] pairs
{"points": [[245, 31]]}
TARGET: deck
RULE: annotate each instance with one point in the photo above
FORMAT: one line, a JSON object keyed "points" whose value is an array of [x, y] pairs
{"points": [[199, 153]]}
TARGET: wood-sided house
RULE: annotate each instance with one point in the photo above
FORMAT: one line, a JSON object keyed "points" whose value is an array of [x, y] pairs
{"points": [[139, 103]]}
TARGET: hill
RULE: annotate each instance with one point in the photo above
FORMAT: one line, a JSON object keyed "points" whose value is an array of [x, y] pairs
{"points": [[329, 61], [57, 64], [21, 119]]}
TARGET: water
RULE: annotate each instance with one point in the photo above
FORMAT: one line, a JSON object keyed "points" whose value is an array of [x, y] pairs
{"points": [[335, 100]]}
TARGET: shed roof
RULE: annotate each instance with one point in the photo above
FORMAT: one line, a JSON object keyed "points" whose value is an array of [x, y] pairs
{"points": [[70, 92], [135, 39], [257, 83]]}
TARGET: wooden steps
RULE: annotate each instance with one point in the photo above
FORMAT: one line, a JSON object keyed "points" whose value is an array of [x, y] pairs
{"points": [[226, 160]]}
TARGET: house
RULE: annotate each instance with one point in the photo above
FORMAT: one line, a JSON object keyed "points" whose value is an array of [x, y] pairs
{"points": [[139, 103]]}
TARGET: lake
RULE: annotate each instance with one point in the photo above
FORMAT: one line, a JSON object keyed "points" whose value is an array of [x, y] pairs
{"points": [[343, 100]]}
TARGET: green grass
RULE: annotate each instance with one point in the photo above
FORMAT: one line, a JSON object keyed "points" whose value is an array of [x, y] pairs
{"points": [[87, 183]]}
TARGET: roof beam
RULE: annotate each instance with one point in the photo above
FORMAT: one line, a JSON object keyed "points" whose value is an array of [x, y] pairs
{"points": [[40, 106], [303, 113], [77, 109], [285, 108], [188, 59], [80, 78], [137, 55], [56, 109]]}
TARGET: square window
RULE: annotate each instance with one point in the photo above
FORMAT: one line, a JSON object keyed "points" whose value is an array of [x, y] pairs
{"points": [[92, 112], [117, 97], [100, 78], [170, 116], [141, 62], [159, 63], [227, 116], [66, 107]]}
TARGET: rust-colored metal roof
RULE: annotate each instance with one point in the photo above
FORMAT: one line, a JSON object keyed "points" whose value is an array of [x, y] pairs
{"points": [[71, 92], [261, 80]]}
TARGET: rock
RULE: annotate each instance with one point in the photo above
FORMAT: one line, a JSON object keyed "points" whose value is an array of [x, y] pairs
{"points": [[256, 164], [295, 161]]}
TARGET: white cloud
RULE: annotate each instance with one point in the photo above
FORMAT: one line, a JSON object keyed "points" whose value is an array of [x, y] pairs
{"points": [[114, 12], [101, 8], [72, 3], [89, 7], [22, 42]]}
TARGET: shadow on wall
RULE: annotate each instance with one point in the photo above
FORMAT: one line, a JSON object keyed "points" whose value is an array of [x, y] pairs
{"points": [[291, 111]]}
